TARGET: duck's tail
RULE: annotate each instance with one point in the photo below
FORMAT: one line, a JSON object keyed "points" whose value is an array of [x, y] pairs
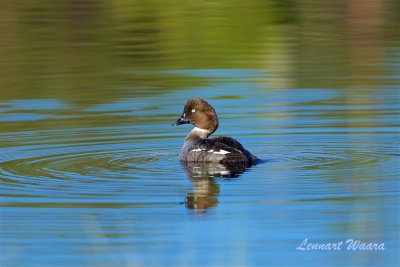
{"points": [[254, 160]]}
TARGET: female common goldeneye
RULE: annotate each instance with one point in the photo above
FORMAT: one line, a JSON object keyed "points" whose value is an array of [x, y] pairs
{"points": [[199, 148]]}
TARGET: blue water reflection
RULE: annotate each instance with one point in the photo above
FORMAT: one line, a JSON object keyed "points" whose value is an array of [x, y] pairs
{"points": [[115, 194]]}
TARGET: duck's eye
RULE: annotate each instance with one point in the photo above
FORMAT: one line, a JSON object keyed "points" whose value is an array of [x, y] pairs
{"points": [[193, 110]]}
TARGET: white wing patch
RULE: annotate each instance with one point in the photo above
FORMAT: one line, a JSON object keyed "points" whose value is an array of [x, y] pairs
{"points": [[222, 152], [225, 172]]}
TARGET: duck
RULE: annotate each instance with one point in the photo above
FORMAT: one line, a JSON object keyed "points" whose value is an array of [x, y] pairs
{"points": [[199, 148]]}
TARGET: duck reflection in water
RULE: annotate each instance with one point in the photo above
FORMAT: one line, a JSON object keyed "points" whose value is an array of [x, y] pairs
{"points": [[202, 175]]}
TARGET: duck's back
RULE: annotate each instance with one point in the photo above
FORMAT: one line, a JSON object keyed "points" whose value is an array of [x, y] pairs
{"points": [[219, 149]]}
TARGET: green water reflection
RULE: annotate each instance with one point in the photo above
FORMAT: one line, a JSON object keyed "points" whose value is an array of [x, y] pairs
{"points": [[84, 51]]}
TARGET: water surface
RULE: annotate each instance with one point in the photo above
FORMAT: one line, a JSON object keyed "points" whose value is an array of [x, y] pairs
{"points": [[115, 193]]}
